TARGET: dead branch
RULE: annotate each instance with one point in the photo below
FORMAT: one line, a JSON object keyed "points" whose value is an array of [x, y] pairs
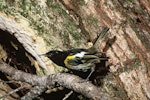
{"points": [[67, 80], [67, 95]]}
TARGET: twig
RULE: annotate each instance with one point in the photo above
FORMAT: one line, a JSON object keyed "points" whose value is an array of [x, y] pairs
{"points": [[67, 95], [14, 91], [18, 82]]}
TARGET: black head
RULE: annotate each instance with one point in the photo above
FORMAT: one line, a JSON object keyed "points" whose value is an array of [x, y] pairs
{"points": [[53, 53], [57, 56]]}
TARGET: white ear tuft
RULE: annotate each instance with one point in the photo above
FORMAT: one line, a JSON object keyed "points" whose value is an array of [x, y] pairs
{"points": [[80, 55]]}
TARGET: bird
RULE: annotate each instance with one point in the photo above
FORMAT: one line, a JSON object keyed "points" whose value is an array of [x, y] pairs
{"points": [[80, 59]]}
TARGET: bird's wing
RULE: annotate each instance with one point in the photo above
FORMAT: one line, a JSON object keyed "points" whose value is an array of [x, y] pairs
{"points": [[75, 62]]}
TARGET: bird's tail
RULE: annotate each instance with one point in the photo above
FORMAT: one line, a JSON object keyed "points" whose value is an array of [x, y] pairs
{"points": [[101, 35]]}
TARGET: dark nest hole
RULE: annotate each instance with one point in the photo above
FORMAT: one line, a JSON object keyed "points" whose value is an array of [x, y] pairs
{"points": [[16, 58]]}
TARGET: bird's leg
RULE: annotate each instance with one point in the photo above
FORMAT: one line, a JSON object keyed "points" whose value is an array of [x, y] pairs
{"points": [[87, 79], [92, 70]]}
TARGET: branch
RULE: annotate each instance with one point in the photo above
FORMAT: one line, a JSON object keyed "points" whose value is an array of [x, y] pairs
{"points": [[67, 80], [67, 95]]}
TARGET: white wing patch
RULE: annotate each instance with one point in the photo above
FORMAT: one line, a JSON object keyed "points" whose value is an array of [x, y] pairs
{"points": [[80, 55]]}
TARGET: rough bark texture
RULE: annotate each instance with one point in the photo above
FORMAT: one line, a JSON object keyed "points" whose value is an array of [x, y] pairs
{"points": [[66, 24]]}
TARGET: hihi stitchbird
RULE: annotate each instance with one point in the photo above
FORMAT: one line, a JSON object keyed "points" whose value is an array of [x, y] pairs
{"points": [[78, 59]]}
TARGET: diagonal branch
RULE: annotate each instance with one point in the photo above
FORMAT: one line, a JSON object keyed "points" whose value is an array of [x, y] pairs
{"points": [[67, 80]]}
